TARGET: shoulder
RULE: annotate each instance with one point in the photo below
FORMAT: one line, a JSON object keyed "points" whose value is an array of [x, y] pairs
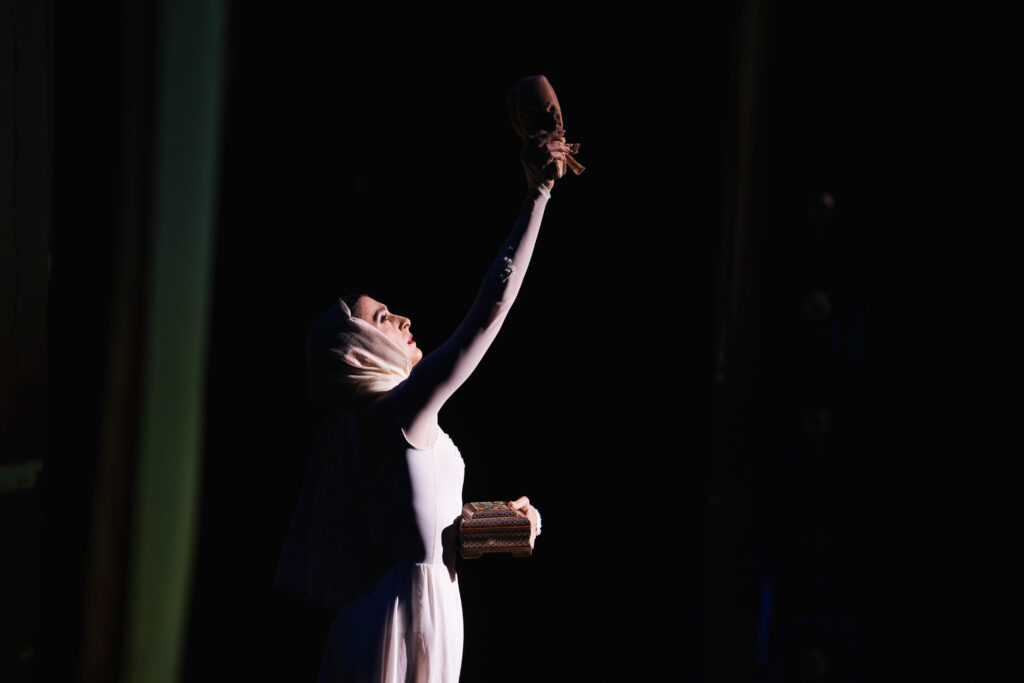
{"points": [[382, 428], [389, 414]]}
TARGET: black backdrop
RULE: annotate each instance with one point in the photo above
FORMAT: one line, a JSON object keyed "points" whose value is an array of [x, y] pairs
{"points": [[373, 153]]}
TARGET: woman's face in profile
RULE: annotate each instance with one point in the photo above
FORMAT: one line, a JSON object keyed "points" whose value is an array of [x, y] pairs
{"points": [[394, 326]]}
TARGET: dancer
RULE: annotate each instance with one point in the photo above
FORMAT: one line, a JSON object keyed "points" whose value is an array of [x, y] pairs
{"points": [[375, 534]]}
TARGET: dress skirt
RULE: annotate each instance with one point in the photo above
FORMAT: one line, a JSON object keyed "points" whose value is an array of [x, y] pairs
{"points": [[409, 629]]}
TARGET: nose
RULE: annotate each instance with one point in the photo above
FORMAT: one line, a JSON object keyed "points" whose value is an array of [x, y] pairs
{"points": [[405, 323]]}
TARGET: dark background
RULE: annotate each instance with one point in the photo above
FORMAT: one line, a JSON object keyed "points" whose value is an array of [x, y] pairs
{"points": [[721, 501]]}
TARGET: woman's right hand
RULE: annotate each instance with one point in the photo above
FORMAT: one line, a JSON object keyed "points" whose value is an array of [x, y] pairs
{"points": [[537, 162], [523, 504]]}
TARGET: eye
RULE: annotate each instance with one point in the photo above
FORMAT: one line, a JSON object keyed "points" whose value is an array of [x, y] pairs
{"points": [[384, 318]]}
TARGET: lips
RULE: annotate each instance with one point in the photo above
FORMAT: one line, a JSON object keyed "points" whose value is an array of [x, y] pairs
{"points": [[410, 340]]}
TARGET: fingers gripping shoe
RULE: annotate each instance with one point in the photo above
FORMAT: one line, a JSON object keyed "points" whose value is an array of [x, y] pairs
{"points": [[537, 119]]}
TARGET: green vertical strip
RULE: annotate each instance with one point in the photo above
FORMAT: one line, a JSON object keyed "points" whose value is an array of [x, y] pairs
{"points": [[185, 174]]}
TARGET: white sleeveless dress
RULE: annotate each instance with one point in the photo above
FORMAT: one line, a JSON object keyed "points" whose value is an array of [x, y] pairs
{"points": [[410, 627]]}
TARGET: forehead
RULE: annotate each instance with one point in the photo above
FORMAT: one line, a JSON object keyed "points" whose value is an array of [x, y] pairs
{"points": [[365, 307]]}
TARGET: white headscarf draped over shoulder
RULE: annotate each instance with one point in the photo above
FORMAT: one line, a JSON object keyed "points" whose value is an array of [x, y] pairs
{"points": [[328, 556], [348, 358]]}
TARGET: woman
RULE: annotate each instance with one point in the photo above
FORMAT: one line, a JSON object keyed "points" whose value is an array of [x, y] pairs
{"points": [[374, 535]]}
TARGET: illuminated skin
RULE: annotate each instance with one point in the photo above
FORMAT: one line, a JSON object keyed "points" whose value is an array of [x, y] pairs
{"points": [[436, 376]]}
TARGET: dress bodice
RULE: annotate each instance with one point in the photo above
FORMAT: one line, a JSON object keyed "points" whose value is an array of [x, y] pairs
{"points": [[416, 495]]}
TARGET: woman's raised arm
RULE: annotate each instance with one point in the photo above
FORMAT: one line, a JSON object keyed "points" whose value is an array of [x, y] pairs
{"points": [[435, 378]]}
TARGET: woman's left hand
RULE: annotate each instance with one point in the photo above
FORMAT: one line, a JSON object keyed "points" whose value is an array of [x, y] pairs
{"points": [[523, 503]]}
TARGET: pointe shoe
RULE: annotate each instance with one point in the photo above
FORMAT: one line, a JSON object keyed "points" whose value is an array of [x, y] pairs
{"points": [[536, 118]]}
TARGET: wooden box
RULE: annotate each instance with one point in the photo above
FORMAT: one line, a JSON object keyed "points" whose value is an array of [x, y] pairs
{"points": [[493, 527]]}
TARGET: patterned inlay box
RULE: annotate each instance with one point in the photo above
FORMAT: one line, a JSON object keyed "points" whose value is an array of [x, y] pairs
{"points": [[493, 527]]}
